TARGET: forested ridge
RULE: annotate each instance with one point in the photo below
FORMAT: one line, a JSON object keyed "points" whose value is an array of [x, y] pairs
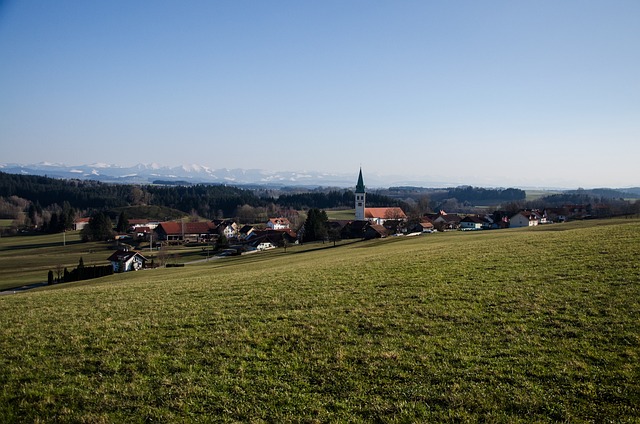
{"points": [[51, 204], [206, 200], [86, 194]]}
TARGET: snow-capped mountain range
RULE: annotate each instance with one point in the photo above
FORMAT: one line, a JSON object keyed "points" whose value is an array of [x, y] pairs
{"points": [[193, 173]]}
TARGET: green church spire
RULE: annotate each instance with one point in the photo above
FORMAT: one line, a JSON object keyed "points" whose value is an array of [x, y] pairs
{"points": [[360, 185]]}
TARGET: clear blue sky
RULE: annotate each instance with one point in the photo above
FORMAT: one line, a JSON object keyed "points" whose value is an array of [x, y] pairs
{"points": [[527, 93]]}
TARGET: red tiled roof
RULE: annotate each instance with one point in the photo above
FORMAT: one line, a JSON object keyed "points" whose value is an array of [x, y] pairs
{"points": [[384, 213], [172, 227]]}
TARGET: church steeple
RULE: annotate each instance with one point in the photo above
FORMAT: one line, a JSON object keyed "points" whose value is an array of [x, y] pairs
{"points": [[360, 198], [360, 185]]}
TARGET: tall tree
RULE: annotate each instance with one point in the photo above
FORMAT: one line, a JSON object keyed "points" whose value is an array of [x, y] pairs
{"points": [[315, 227], [67, 216], [123, 223], [99, 228]]}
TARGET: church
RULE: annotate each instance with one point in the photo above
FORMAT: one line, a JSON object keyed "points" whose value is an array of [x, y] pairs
{"points": [[373, 215]]}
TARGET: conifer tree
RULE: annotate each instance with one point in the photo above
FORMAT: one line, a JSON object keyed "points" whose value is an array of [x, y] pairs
{"points": [[123, 223], [315, 227], [99, 228]]}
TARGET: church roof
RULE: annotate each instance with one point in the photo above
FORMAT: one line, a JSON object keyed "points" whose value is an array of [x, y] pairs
{"points": [[360, 185], [384, 213]]}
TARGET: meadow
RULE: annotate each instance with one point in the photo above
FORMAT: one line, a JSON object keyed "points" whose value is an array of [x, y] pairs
{"points": [[27, 259], [527, 325]]}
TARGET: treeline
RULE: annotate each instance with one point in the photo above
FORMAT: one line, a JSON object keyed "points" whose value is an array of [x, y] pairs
{"points": [[80, 273], [479, 195], [206, 200], [82, 194]]}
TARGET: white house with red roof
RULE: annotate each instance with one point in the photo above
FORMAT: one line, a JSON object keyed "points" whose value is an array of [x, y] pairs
{"points": [[80, 223], [280, 223], [524, 219]]}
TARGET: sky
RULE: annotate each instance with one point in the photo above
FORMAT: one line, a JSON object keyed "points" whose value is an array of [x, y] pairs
{"points": [[486, 93]]}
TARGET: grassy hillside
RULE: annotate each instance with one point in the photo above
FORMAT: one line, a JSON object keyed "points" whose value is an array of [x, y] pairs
{"points": [[28, 259], [506, 326]]}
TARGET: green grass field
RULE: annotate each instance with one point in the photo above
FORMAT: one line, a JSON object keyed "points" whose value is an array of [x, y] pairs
{"points": [[28, 259], [5, 223], [346, 214], [530, 325]]}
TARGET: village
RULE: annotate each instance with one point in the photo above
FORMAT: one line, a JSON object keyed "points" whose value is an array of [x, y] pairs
{"points": [[226, 237]]}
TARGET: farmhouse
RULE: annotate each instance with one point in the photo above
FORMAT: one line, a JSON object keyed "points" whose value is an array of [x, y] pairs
{"points": [[375, 231], [280, 223], [245, 231], [446, 221], [80, 223], [422, 227], [275, 237], [185, 231], [226, 227], [126, 260], [525, 219], [472, 223]]}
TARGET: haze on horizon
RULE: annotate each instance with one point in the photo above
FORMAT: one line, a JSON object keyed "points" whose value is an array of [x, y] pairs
{"points": [[501, 93]]}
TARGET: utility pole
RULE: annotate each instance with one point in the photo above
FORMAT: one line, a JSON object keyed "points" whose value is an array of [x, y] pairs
{"points": [[64, 237]]}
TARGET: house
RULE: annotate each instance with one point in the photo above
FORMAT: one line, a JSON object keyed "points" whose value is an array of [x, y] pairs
{"points": [[227, 228], [80, 223], [354, 229], [499, 220], [126, 260], [524, 219], [447, 221], [185, 231], [142, 232], [244, 232], [275, 237], [280, 223], [422, 227], [472, 222], [375, 231], [556, 214], [380, 215]]}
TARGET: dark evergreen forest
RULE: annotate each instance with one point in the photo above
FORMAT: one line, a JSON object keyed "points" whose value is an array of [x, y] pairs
{"points": [[85, 194], [206, 200]]}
